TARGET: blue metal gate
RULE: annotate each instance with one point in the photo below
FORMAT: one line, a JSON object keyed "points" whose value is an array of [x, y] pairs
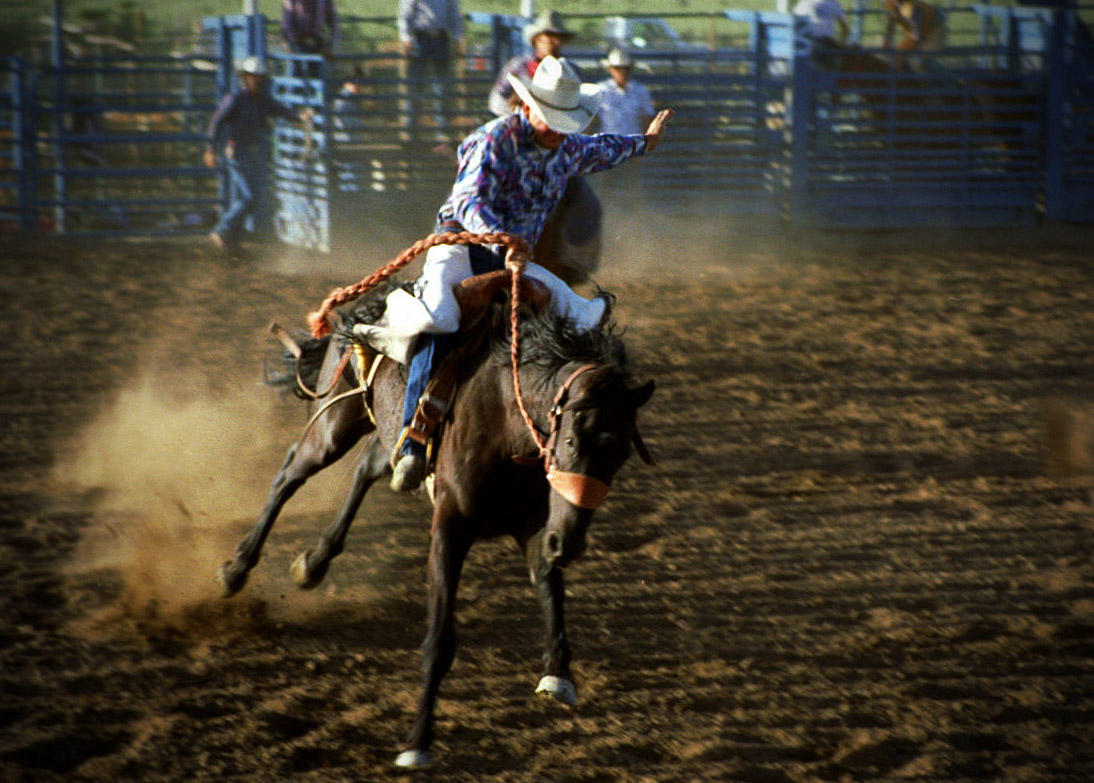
{"points": [[1069, 118], [954, 145]]}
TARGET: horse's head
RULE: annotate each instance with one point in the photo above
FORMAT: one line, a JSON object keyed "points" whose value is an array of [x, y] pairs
{"points": [[593, 433]]}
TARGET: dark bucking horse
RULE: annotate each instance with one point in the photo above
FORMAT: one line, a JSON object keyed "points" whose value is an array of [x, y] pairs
{"points": [[492, 475]]}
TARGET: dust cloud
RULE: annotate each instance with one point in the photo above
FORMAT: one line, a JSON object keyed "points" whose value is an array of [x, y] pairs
{"points": [[177, 472]]}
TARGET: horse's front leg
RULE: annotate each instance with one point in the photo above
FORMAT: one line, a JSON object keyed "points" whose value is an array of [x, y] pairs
{"points": [[448, 549], [557, 681], [311, 566], [331, 437]]}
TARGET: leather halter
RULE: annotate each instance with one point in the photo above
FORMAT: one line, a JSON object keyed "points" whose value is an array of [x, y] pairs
{"points": [[577, 488]]}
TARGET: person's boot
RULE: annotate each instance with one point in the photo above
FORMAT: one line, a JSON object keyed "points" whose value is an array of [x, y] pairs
{"points": [[395, 344], [409, 472], [397, 330]]}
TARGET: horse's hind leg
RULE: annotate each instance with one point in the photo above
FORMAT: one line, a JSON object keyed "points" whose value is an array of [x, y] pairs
{"points": [[327, 442], [557, 681], [309, 569]]}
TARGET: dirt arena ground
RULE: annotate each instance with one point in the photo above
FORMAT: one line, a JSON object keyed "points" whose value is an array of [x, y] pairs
{"points": [[851, 563]]}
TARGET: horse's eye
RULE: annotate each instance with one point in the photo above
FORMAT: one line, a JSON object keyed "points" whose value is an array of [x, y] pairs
{"points": [[570, 442]]}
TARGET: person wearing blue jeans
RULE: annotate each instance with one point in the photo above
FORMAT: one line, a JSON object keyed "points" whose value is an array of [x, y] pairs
{"points": [[241, 125], [248, 170], [431, 349]]}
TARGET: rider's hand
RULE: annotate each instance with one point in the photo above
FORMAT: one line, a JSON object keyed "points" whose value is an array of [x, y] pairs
{"points": [[657, 128], [209, 158], [516, 259]]}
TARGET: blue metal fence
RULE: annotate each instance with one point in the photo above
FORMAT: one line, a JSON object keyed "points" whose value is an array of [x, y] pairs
{"points": [[1001, 132], [948, 145], [978, 135], [17, 147], [123, 139]]}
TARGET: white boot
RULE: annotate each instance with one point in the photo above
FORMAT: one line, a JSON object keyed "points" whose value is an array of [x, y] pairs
{"points": [[408, 473], [583, 313], [396, 332]]}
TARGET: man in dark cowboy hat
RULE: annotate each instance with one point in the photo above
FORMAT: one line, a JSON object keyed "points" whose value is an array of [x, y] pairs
{"points": [[512, 172], [545, 35]]}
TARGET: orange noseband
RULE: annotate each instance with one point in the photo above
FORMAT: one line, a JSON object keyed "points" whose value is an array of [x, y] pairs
{"points": [[578, 489]]}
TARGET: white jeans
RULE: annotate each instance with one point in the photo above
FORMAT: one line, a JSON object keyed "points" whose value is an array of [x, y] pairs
{"points": [[448, 265]]}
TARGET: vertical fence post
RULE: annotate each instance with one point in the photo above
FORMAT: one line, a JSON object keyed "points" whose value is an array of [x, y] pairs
{"points": [[26, 145], [1014, 41], [1058, 73], [59, 100], [757, 40], [801, 122], [325, 159], [497, 37], [256, 36], [224, 86]]}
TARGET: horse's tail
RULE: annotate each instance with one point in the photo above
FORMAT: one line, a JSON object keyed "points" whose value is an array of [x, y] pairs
{"points": [[290, 370]]}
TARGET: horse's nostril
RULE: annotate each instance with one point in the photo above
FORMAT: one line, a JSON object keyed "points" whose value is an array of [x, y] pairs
{"points": [[554, 544]]}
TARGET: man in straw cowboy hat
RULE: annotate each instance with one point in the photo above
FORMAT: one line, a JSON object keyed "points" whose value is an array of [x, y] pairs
{"points": [[512, 172], [572, 235], [626, 105], [241, 125]]}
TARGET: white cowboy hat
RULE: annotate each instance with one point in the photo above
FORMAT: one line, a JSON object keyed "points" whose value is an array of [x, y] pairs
{"points": [[546, 22], [254, 66], [617, 58], [557, 95]]}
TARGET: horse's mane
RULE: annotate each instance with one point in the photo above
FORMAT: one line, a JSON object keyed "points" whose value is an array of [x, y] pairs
{"points": [[548, 342]]}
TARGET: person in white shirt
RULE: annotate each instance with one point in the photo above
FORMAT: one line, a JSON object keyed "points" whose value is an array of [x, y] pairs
{"points": [[625, 105], [826, 24]]}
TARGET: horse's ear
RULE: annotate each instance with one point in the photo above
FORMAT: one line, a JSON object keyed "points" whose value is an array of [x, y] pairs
{"points": [[641, 395]]}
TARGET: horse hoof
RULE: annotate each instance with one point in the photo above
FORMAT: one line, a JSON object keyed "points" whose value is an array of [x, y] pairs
{"points": [[414, 759], [231, 581], [304, 578], [559, 689]]}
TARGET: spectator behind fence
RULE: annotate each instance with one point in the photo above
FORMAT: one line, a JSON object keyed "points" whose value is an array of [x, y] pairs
{"points": [[241, 125], [826, 26], [625, 104], [310, 26], [923, 25], [431, 32], [625, 107], [545, 35]]}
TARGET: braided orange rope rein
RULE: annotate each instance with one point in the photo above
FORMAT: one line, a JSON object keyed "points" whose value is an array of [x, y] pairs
{"points": [[514, 354], [319, 321]]}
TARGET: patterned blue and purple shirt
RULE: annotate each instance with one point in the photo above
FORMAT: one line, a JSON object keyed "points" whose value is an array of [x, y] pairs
{"points": [[506, 182]]}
